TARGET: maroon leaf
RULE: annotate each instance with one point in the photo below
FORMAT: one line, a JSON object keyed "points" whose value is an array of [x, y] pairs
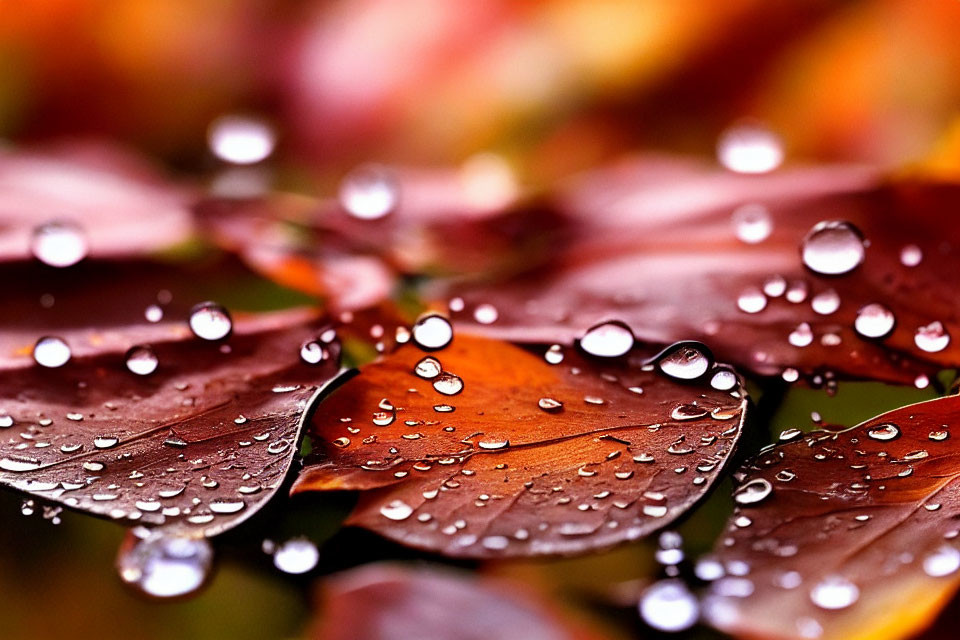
{"points": [[196, 445], [656, 247], [845, 534], [387, 602], [483, 449]]}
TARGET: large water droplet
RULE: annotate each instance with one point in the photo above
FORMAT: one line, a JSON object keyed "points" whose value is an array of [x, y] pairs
{"points": [[210, 321], [369, 192], [884, 432], [607, 339], [723, 379], [668, 605], [51, 351], [874, 321], [684, 360], [296, 556], [833, 247], [428, 368], [240, 139], [753, 491], [164, 566], [141, 360], [448, 384], [432, 331], [749, 148], [396, 510], [59, 244], [834, 592]]}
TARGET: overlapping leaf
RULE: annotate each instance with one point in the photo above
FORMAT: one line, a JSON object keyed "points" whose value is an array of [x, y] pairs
{"points": [[656, 246], [391, 602], [848, 534], [197, 446], [528, 458]]}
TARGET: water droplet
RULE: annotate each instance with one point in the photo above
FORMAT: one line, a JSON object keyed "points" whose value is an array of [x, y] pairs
{"points": [[607, 339], [18, 464], [550, 405], [165, 566], [448, 384], [932, 338], [313, 352], [51, 351], [749, 147], [428, 368], [753, 491], [911, 255], [833, 247], [942, 561], [432, 331], [752, 223], [210, 321], [369, 192], [668, 605], [240, 139], [825, 302], [59, 244], [874, 321], [723, 379], [752, 300], [105, 442], [396, 510], [141, 360], [802, 336], [834, 592], [554, 355], [6, 421], [884, 432], [296, 556], [493, 445], [775, 286], [684, 360], [226, 505], [938, 436], [486, 314]]}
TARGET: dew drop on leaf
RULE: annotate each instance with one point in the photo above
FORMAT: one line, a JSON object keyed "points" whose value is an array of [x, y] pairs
{"points": [[165, 566], [749, 148], [752, 223], [432, 331], [668, 605], [874, 321], [240, 139], [932, 337], [834, 592], [369, 192], [141, 360], [59, 244], [210, 321], [833, 247], [296, 556], [684, 361], [51, 351], [753, 492], [607, 339]]}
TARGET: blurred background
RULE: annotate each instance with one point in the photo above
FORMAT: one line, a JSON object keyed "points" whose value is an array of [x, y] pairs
{"points": [[537, 90]]}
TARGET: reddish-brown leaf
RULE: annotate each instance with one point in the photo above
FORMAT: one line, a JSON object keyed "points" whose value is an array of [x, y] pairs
{"points": [[656, 247], [121, 206], [848, 534], [196, 446], [502, 469], [392, 602]]}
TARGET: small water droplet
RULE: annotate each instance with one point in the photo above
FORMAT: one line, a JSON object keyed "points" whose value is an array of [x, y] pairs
{"points": [[296, 556], [723, 379], [210, 321], [874, 321], [752, 223], [448, 384], [396, 510], [486, 314], [105, 442], [911, 255], [554, 355], [153, 313], [802, 336], [752, 300], [59, 244], [942, 561], [749, 147], [753, 491], [684, 360], [428, 368], [550, 405], [833, 247], [432, 331], [884, 432], [932, 337], [834, 592], [668, 605], [369, 192], [241, 139], [314, 352], [141, 360]]}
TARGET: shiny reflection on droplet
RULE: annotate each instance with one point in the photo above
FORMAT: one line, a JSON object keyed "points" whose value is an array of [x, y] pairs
{"points": [[874, 321], [668, 605], [369, 192], [684, 360], [51, 352], [165, 565], [833, 247], [723, 379], [753, 491], [241, 139], [752, 223], [210, 321], [932, 338], [608, 339], [59, 244], [141, 360]]}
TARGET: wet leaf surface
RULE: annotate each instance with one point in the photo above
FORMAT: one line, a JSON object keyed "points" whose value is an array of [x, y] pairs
{"points": [[108, 204], [657, 247], [196, 444], [387, 602], [845, 533], [483, 449]]}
